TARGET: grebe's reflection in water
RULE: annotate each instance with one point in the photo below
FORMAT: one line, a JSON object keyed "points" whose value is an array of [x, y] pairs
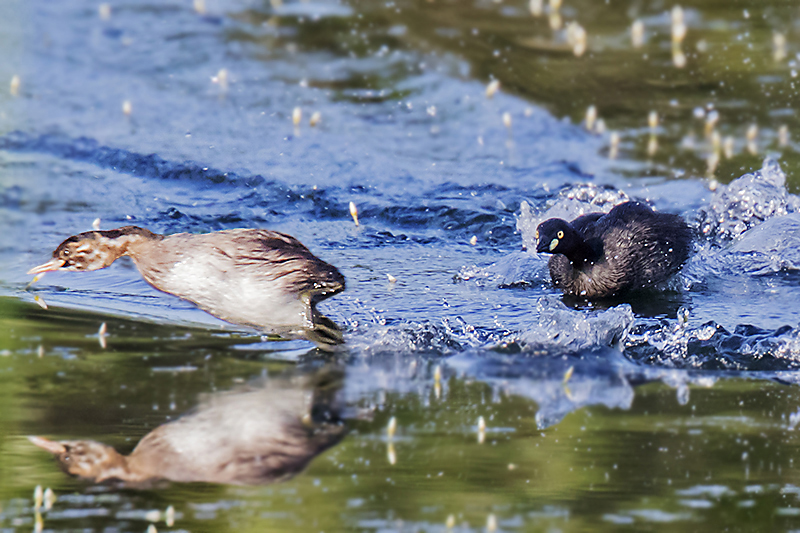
{"points": [[259, 435]]}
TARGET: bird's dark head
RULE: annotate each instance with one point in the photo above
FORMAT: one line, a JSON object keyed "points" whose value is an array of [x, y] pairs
{"points": [[556, 236], [92, 250], [83, 458]]}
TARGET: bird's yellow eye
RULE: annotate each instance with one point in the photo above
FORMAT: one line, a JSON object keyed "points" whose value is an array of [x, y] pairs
{"points": [[536, 235], [560, 234]]}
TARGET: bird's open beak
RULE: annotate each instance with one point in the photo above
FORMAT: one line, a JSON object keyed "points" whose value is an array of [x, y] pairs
{"points": [[53, 264], [49, 445]]}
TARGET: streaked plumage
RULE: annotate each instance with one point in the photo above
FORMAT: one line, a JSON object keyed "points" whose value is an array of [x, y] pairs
{"points": [[253, 277]]}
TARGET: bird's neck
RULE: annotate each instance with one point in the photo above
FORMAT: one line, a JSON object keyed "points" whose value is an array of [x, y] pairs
{"points": [[130, 241], [115, 466], [126, 468], [134, 245], [138, 469]]}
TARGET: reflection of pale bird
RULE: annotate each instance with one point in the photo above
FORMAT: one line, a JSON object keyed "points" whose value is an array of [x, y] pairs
{"points": [[251, 437]]}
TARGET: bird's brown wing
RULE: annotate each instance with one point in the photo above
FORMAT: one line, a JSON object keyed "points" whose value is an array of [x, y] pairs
{"points": [[279, 257]]}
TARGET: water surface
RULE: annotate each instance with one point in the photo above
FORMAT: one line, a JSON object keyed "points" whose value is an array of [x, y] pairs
{"points": [[670, 410]]}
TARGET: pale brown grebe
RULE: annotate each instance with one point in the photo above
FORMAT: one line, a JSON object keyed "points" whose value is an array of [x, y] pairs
{"points": [[253, 277]]}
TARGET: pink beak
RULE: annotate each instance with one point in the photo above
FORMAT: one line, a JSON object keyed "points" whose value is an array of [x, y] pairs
{"points": [[49, 445], [53, 264]]}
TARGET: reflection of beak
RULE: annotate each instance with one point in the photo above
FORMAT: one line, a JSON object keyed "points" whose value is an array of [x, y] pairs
{"points": [[49, 445], [54, 264]]}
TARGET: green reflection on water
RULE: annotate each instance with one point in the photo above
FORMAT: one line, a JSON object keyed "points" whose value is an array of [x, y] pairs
{"points": [[725, 458]]}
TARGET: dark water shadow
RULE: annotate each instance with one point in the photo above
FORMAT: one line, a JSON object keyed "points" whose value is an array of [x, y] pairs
{"points": [[646, 304]]}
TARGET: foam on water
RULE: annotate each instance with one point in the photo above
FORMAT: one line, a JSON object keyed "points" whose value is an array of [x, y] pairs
{"points": [[514, 269], [751, 227], [770, 247], [557, 385], [710, 346], [558, 328], [568, 204], [746, 202]]}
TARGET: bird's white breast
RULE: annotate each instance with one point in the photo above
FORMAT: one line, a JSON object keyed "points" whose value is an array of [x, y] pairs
{"points": [[234, 293]]}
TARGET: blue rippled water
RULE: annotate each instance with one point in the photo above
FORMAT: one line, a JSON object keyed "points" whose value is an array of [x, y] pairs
{"points": [[419, 149]]}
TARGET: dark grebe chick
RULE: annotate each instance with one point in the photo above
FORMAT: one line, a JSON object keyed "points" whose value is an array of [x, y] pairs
{"points": [[252, 277], [601, 255]]}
